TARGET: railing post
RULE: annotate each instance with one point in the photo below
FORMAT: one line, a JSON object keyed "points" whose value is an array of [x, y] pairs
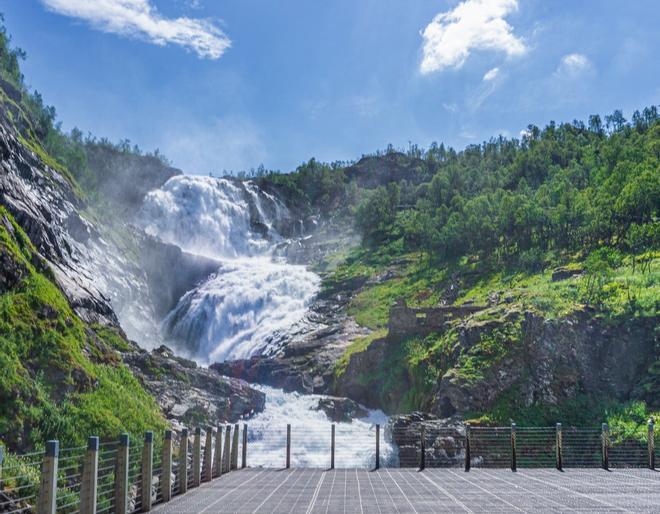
{"points": [[183, 462], [89, 482], [2, 458], [147, 470], [332, 446], [605, 443], [208, 455], [166, 476], [377, 446], [514, 455], [422, 449], [217, 455], [234, 449], [651, 444], [121, 476], [197, 458], [244, 448], [48, 490], [226, 455], [288, 446], [468, 457], [559, 447]]}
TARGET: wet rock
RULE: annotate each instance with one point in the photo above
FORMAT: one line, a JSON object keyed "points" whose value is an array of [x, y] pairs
{"points": [[190, 394], [341, 410]]}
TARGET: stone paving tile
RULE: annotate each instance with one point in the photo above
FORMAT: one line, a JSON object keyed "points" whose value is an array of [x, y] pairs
{"points": [[431, 491]]}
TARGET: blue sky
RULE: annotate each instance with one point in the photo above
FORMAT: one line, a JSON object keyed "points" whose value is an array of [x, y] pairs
{"points": [[229, 84]]}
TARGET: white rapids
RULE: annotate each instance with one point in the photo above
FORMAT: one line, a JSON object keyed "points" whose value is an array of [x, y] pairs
{"points": [[355, 442], [253, 295]]}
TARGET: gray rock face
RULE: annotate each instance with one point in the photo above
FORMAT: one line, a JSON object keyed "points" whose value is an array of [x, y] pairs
{"points": [[43, 202], [444, 440], [341, 410], [556, 361], [191, 395]]}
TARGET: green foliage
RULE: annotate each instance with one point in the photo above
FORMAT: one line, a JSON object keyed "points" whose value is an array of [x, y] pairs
{"points": [[376, 213], [358, 345], [598, 270], [60, 379], [493, 346]]}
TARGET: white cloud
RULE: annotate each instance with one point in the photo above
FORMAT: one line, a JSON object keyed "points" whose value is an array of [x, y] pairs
{"points": [[140, 19], [491, 74], [471, 25], [572, 65]]}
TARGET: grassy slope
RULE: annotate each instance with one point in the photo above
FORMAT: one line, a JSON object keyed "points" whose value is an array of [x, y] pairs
{"points": [[61, 378], [420, 362]]}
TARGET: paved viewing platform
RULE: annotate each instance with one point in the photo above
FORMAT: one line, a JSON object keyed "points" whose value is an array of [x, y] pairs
{"points": [[432, 490]]}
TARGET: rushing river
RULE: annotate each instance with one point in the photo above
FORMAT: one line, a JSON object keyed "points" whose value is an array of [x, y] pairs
{"points": [[355, 442]]}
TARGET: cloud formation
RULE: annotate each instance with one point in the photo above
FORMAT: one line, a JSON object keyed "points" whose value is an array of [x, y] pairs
{"points": [[491, 74], [471, 25], [572, 65], [140, 19]]}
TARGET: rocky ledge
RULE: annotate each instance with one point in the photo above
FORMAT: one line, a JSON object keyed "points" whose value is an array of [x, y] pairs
{"points": [[190, 395]]}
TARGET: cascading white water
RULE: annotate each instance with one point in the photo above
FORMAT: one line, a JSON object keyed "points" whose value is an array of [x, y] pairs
{"points": [[236, 313], [355, 442], [253, 295]]}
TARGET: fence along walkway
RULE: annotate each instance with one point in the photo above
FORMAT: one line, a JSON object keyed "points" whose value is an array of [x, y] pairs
{"points": [[134, 474]]}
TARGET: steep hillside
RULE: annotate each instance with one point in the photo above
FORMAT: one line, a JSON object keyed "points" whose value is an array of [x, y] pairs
{"points": [[556, 236], [75, 275], [62, 377]]}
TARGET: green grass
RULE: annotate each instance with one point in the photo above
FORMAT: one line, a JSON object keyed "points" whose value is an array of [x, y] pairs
{"points": [[415, 282], [623, 291], [358, 345], [60, 377]]}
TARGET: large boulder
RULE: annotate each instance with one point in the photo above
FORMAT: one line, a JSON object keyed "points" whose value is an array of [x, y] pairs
{"points": [[341, 410]]}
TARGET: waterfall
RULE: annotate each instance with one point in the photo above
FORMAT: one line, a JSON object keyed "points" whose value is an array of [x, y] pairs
{"points": [[254, 294]]}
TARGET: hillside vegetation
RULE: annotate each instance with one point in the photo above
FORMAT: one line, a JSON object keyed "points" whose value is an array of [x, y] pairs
{"points": [[61, 378], [498, 224]]}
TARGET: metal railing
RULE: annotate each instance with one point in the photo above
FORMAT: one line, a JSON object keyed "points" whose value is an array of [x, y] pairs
{"points": [[125, 476], [134, 473]]}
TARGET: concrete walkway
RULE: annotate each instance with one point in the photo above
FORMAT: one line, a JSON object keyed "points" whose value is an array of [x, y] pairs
{"points": [[434, 490]]}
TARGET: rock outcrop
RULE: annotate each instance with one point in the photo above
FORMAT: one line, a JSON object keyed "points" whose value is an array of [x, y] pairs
{"points": [[521, 354], [190, 395], [554, 361], [341, 410], [444, 440]]}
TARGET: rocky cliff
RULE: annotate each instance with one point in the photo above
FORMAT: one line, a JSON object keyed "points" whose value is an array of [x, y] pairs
{"points": [[74, 281], [507, 356]]}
